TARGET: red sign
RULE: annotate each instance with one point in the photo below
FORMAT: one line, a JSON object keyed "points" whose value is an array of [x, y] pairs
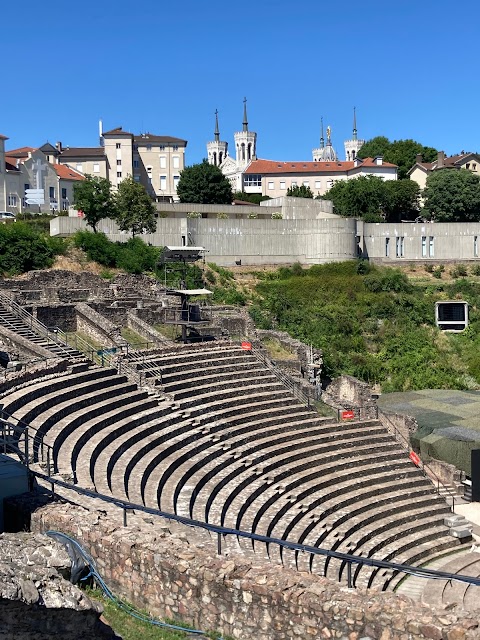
{"points": [[246, 346], [415, 459], [348, 415]]}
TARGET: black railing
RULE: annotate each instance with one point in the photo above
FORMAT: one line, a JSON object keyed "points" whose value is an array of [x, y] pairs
{"points": [[18, 439], [423, 466]]}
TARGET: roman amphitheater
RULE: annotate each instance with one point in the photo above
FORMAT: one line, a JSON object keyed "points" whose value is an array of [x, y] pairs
{"points": [[205, 484]]}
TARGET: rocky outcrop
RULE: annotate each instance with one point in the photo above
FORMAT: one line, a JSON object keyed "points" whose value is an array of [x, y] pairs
{"points": [[36, 599]]}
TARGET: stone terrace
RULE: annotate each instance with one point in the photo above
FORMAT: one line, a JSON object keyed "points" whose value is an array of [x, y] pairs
{"points": [[222, 440]]}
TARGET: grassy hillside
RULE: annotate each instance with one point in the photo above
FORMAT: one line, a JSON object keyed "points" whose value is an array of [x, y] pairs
{"points": [[375, 323]]}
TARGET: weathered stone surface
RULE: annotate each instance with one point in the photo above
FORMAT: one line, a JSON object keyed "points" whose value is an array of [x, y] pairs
{"points": [[36, 601], [171, 576]]}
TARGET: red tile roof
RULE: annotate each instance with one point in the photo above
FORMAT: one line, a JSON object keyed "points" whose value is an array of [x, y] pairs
{"points": [[21, 152], [65, 173], [11, 164], [272, 166]]}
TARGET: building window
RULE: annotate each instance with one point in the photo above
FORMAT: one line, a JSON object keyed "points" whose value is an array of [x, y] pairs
{"points": [[467, 165], [282, 184], [136, 164], [424, 246], [119, 162], [51, 193], [119, 174], [118, 145], [162, 147], [475, 246], [163, 162], [271, 186], [96, 167], [175, 182], [306, 183], [400, 247], [387, 247], [431, 251], [80, 167], [252, 180], [474, 167], [175, 147], [163, 183], [64, 194], [136, 177], [318, 184], [176, 162], [294, 183], [329, 184], [12, 200]]}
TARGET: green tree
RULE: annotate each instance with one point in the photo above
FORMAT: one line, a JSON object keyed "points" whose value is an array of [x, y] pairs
{"points": [[362, 197], [300, 191], [254, 198], [403, 153], [22, 248], [94, 197], [204, 183], [452, 195], [402, 200], [135, 209]]}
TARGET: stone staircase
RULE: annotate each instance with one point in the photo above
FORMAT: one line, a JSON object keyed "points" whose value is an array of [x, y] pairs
{"points": [[28, 328]]}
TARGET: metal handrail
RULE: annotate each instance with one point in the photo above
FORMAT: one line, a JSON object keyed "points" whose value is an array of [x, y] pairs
{"points": [[223, 532], [34, 324], [298, 393], [401, 439], [6, 430]]}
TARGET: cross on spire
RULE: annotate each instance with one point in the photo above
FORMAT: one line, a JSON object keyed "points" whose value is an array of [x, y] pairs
{"points": [[245, 121], [217, 130]]}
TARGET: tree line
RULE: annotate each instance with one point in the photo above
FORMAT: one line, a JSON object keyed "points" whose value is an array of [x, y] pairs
{"points": [[130, 206]]}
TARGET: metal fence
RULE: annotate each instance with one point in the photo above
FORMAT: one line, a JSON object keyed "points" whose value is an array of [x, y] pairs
{"points": [[16, 438]]}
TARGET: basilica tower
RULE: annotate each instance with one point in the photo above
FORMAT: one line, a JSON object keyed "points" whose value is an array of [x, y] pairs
{"points": [[245, 142], [325, 153], [217, 150], [352, 147]]}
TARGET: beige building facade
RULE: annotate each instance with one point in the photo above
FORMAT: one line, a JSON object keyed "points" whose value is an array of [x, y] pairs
{"points": [[421, 170], [273, 179]]}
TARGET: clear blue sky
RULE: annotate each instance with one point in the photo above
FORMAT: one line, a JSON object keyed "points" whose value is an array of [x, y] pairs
{"points": [[411, 69]]}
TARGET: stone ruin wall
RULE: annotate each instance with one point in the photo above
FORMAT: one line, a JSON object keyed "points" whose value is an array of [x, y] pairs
{"points": [[36, 599], [174, 578], [347, 393]]}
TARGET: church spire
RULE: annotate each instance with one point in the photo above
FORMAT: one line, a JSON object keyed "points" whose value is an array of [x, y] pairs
{"points": [[322, 139], [354, 124], [217, 130], [245, 121]]}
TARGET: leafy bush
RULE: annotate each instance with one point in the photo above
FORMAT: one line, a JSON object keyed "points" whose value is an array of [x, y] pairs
{"points": [[476, 270], [377, 326], [97, 247], [133, 256], [22, 249], [460, 271]]}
